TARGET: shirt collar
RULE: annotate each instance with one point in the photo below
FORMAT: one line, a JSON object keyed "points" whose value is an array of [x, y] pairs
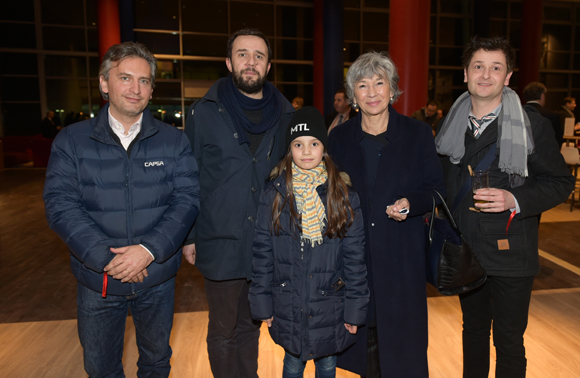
{"points": [[118, 127]]}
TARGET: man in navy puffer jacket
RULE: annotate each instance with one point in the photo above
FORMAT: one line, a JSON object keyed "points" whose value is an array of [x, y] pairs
{"points": [[122, 191]]}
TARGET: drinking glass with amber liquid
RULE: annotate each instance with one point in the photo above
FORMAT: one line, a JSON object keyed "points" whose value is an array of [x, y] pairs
{"points": [[479, 180]]}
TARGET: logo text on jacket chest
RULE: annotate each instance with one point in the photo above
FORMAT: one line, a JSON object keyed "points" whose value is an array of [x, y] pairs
{"points": [[154, 163]]}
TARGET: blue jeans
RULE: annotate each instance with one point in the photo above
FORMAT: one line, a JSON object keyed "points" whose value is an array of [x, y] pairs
{"points": [[294, 366], [101, 326]]}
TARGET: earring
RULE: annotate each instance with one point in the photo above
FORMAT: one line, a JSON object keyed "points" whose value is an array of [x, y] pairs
{"points": [[391, 99], [355, 105]]}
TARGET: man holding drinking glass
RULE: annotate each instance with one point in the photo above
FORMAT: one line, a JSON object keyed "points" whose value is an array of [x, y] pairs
{"points": [[487, 130]]}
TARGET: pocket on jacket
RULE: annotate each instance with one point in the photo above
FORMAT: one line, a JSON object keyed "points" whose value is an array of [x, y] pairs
{"points": [[491, 234]]}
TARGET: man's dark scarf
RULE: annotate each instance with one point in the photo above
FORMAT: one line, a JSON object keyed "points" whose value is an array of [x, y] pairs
{"points": [[234, 101]]}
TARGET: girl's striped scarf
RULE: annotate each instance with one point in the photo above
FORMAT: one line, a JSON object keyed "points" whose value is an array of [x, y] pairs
{"points": [[308, 202]]}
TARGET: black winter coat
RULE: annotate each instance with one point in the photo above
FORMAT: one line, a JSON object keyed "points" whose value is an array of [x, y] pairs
{"points": [[231, 180], [549, 183], [395, 251], [297, 284]]}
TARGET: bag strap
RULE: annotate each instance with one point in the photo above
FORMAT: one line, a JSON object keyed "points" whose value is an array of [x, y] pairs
{"points": [[447, 212], [483, 165]]}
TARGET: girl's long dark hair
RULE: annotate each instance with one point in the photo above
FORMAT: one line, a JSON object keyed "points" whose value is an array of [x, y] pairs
{"points": [[338, 209]]}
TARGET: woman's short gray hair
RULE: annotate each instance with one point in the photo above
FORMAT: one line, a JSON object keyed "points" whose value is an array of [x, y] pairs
{"points": [[369, 64], [117, 53]]}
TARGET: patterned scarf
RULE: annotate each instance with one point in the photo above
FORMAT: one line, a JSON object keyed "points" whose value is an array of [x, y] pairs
{"points": [[515, 141], [308, 202]]}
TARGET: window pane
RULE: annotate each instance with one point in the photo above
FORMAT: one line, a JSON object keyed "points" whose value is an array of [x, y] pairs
{"points": [[167, 98], [554, 81], [168, 69], [556, 61], [92, 12], [93, 39], [558, 36], [293, 90], [193, 70], [497, 27], [68, 94], [351, 51], [433, 30], [498, 9], [450, 78], [294, 73], [557, 13], [52, 12], [576, 66], [377, 3], [432, 56], [456, 7], [214, 20], [21, 119], [56, 65], [64, 39], [94, 65], [17, 35], [351, 25], [375, 27], [205, 45], [375, 47], [20, 89], [516, 11], [250, 15], [159, 43], [352, 3], [18, 64], [449, 56], [293, 49], [294, 22], [150, 14], [515, 34], [454, 31], [21, 10]]}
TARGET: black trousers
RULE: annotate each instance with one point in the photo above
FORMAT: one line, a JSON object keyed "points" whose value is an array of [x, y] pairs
{"points": [[232, 337], [502, 303]]}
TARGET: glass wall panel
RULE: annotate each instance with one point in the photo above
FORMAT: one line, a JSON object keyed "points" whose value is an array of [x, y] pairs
{"points": [[151, 14], [21, 36], [293, 90], [66, 94], [196, 70], [18, 64], [558, 36], [294, 22], [205, 45], [57, 65], [294, 72], [375, 27], [21, 88], [557, 13], [53, 12], [351, 30], [456, 7], [252, 15], [366, 47], [450, 56], [159, 43], [214, 20], [351, 51], [21, 10], [21, 119], [499, 9], [63, 38], [294, 49]]}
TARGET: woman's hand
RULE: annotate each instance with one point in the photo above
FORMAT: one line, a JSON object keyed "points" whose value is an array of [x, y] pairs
{"points": [[393, 210], [268, 321]]}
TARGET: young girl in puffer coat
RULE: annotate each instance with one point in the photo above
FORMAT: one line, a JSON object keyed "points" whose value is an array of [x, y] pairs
{"points": [[309, 277]]}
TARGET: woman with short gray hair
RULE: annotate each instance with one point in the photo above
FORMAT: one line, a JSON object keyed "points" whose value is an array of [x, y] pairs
{"points": [[394, 168]]}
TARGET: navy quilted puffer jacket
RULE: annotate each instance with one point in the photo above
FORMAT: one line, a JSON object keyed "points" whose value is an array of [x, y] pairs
{"points": [[302, 287], [97, 196]]}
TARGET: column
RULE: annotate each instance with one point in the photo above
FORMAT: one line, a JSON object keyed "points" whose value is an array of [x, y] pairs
{"points": [[409, 48], [108, 25], [530, 43]]}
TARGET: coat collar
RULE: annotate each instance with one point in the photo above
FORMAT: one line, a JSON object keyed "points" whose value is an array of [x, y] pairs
{"points": [[394, 128], [102, 130]]}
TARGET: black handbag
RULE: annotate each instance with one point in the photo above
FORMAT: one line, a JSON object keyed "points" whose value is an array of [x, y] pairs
{"points": [[452, 266]]}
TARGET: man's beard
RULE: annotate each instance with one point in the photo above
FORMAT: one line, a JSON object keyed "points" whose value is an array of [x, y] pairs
{"points": [[250, 86]]}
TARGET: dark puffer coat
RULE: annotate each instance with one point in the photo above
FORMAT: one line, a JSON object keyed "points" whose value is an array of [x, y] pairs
{"points": [[98, 196], [296, 283]]}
